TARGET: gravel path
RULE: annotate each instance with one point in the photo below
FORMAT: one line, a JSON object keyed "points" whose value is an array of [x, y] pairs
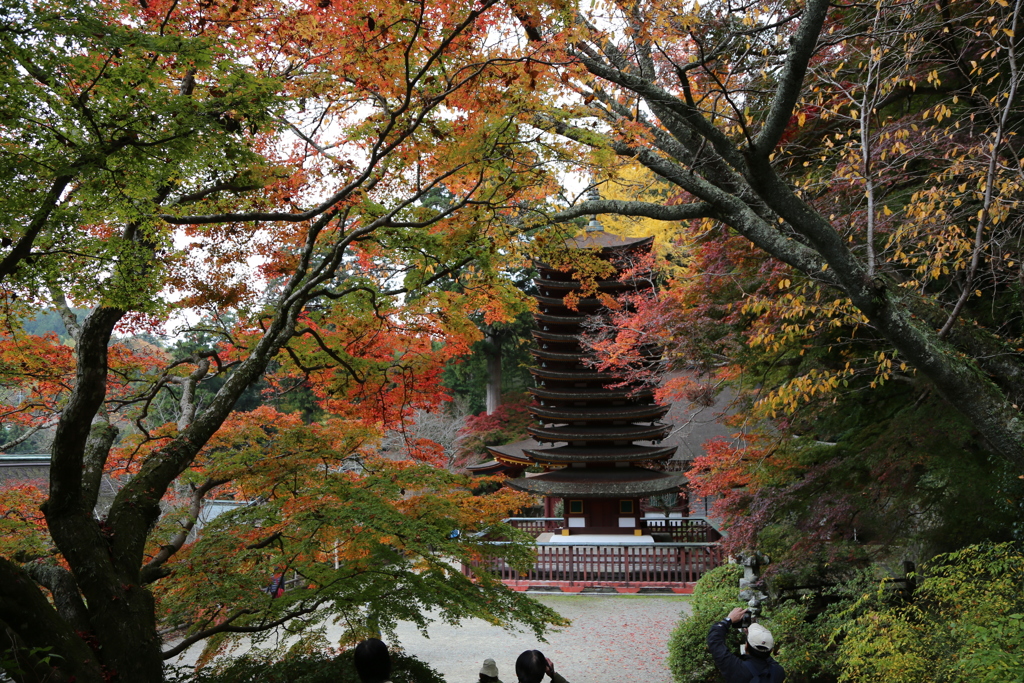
{"points": [[612, 638]]}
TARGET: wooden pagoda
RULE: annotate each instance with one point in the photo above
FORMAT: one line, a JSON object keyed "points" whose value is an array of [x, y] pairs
{"points": [[591, 438]]}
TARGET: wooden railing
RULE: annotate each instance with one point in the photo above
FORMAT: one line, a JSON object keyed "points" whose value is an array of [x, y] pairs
{"points": [[627, 564], [536, 525], [681, 530]]}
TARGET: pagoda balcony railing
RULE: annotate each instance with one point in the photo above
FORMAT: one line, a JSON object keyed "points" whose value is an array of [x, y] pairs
{"points": [[625, 564], [536, 525], [680, 529]]}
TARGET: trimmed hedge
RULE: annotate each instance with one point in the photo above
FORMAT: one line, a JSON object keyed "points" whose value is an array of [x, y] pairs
{"points": [[713, 597]]}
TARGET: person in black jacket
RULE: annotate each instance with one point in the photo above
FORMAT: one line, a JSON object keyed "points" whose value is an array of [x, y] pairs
{"points": [[532, 665], [373, 661], [756, 665]]}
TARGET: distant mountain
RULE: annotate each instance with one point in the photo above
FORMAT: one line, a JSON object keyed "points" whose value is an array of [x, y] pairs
{"points": [[45, 322]]}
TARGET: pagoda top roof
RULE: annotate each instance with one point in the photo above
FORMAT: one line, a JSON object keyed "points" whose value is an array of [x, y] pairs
{"points": [[599, 239]]}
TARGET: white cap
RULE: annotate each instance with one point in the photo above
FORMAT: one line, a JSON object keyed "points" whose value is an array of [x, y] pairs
{"points": [[760, 638], [489, 668]]}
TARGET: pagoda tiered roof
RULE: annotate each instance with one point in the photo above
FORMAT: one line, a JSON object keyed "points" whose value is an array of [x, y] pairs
{"points": [[593, 428], [604, 482]]}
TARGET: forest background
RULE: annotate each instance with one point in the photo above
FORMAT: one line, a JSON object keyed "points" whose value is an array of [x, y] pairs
{"points": [[340, 192]]}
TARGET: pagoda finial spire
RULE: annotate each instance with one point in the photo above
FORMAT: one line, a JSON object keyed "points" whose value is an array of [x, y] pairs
{"points": [[594, 225]]}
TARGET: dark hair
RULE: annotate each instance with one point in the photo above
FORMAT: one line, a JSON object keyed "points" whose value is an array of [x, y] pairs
{"points": [[757, 652], [373, 663], [531, 666], [484, 678]]}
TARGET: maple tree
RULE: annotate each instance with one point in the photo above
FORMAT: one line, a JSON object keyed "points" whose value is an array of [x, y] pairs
{"points": [[264, 167]]}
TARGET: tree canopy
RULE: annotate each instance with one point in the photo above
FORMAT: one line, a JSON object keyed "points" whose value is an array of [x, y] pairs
{"points": [[263, 177], [255, 175]]}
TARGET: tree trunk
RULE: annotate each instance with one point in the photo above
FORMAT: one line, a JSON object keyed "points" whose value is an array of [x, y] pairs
{"points": [[493, 373]]}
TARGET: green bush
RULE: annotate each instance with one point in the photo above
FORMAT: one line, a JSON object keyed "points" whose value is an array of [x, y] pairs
{"points": [[964, 623], [713, 597], [804, 629], [303, 669]]}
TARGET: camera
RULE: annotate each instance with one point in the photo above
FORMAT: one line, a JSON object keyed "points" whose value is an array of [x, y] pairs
{"points": [[748, 619]]}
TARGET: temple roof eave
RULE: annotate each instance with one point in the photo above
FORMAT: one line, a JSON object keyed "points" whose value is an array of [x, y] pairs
{"points": [[569, 483], [655, 432], [636, 412], [595, 395], [562, 455]]}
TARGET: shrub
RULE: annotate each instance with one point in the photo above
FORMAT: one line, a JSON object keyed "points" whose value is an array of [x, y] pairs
{"points": [[713, 597], [805, 627], [303, 669], [964, 623]]}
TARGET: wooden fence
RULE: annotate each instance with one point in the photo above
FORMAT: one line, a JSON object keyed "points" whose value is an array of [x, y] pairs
{"points": [[620, 564]]}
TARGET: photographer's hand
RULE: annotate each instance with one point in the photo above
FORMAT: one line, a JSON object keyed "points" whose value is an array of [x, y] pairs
{"points": [[736, 616]]}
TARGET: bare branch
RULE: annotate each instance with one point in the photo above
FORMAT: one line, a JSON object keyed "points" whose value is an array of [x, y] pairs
{"points": [[153, 569]]}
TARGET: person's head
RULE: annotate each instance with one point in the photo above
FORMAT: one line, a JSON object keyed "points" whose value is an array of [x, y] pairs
{"points": [[531, 666], [489, 671], [759, 641], [373, 663]]}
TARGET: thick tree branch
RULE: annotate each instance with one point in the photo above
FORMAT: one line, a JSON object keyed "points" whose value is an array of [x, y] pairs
{"points": [[23, 247], [791, 81], [693, 118], [187, 404], [75, 423], [67, 316], [731, 210], [661, 212], [26, 436], [25, 610], [66, 597], [94, 459]]}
